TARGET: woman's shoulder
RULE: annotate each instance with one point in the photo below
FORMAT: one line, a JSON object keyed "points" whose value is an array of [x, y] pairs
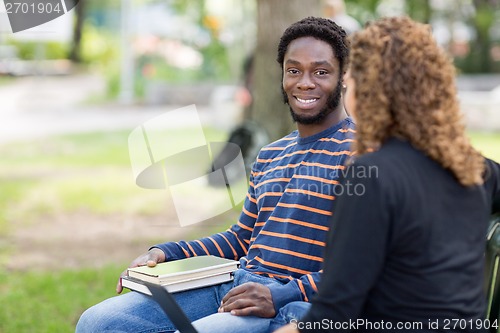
{"points": [[388, 154]]}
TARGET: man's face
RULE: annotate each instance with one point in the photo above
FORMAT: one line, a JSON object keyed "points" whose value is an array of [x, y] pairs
{"points": [[311, 80]]}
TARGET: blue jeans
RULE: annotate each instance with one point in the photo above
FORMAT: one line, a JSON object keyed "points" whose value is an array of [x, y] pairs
{"points": [[134, 312], [290, 313]]}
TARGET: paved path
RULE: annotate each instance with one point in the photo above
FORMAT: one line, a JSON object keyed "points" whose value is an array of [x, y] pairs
{"points": [[39, 106]]}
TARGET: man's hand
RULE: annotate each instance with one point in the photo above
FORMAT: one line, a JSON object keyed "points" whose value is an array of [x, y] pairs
{"points": [[150, 258], [249, 299]]}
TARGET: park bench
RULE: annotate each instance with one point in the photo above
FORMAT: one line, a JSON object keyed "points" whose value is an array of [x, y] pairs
{"points": [[492, 274]]}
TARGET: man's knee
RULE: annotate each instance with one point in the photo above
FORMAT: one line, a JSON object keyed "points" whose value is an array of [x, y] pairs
{"points": [[116, 314], [89, 320]]}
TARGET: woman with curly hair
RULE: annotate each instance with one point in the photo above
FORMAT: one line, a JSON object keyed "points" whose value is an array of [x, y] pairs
{"points": [[406, 248]]}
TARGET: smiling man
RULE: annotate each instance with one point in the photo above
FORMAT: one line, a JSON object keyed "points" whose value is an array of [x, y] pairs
{"points": [[312, 83], [280, 235]]}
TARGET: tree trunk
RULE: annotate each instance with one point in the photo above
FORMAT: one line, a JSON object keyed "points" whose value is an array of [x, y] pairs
{"points": [[482, 22], [273, 17], [75, 51]]}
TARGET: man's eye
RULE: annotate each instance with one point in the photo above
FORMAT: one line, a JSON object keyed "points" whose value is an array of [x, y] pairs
{"points": [[293, 71], [321, 72]]}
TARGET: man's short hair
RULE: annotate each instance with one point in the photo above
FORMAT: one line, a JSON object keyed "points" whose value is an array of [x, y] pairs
{"points": [[319, 28]]}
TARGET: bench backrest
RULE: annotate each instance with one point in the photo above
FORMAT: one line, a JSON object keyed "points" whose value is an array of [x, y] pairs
{"points": [[493, 271]]}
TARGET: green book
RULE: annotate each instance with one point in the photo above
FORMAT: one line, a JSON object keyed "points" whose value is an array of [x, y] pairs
{"points": [[184, 270]]}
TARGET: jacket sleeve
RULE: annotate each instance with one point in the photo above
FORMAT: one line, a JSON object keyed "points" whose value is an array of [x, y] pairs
{"points": [[232, 243], [301, 289]]}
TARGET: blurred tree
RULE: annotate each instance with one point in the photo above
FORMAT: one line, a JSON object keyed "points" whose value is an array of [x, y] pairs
{"points": [[273, 17], [479, 59], [75, 50], [363, 11], [419, 10]]}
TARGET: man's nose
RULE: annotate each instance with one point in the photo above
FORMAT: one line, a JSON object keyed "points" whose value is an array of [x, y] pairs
{"points": [[306, 82]]}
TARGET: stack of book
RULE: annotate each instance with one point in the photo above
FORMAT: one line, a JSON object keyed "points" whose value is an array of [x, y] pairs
{"points": [[184, 274]]}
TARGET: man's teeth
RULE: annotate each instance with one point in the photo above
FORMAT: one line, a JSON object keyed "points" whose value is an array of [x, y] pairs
{"points": [[306, 101]]}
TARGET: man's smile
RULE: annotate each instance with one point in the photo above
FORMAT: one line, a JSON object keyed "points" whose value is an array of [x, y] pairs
{"points": [[304, 102]]}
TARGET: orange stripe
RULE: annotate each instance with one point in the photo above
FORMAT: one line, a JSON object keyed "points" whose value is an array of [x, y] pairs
{"points": [[292, 253], [186, 253], [302, 223], [248, 213], [243, 246], [203, 246], [267, 209], [326, 166], [271, 194], [192, 250], [231, 246], [281, 167], [251, 199], [345, 130], [301, 286], [272, 148], [291, 166], [280, 148], [297, 238], [314, 194], [290, 269], [313, 284], [217, 246], [319, 179], [336, 140], [314, 151], [260, 224], [309, 209], [273, 180], [244, 226]]}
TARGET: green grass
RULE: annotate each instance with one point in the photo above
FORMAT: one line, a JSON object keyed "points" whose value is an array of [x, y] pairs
{"points": [[89, 172], [51, 302], [488, 143]]}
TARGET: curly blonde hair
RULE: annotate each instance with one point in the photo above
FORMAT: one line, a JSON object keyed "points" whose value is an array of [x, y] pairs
{"points": [[405, 88]]}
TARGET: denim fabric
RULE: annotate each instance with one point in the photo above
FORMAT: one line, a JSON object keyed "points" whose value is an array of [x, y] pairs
{"points": [[134, 312], [290, 313]]}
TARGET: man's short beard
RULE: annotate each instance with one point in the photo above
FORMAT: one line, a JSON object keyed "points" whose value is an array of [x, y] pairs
{"points": [[331, 104]]}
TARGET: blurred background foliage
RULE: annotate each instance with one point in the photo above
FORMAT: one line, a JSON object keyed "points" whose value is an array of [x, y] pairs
{"points": [[180, 41]]}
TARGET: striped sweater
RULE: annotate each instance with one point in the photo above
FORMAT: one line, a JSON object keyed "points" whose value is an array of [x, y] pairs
{"points": [[285, 219]]}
